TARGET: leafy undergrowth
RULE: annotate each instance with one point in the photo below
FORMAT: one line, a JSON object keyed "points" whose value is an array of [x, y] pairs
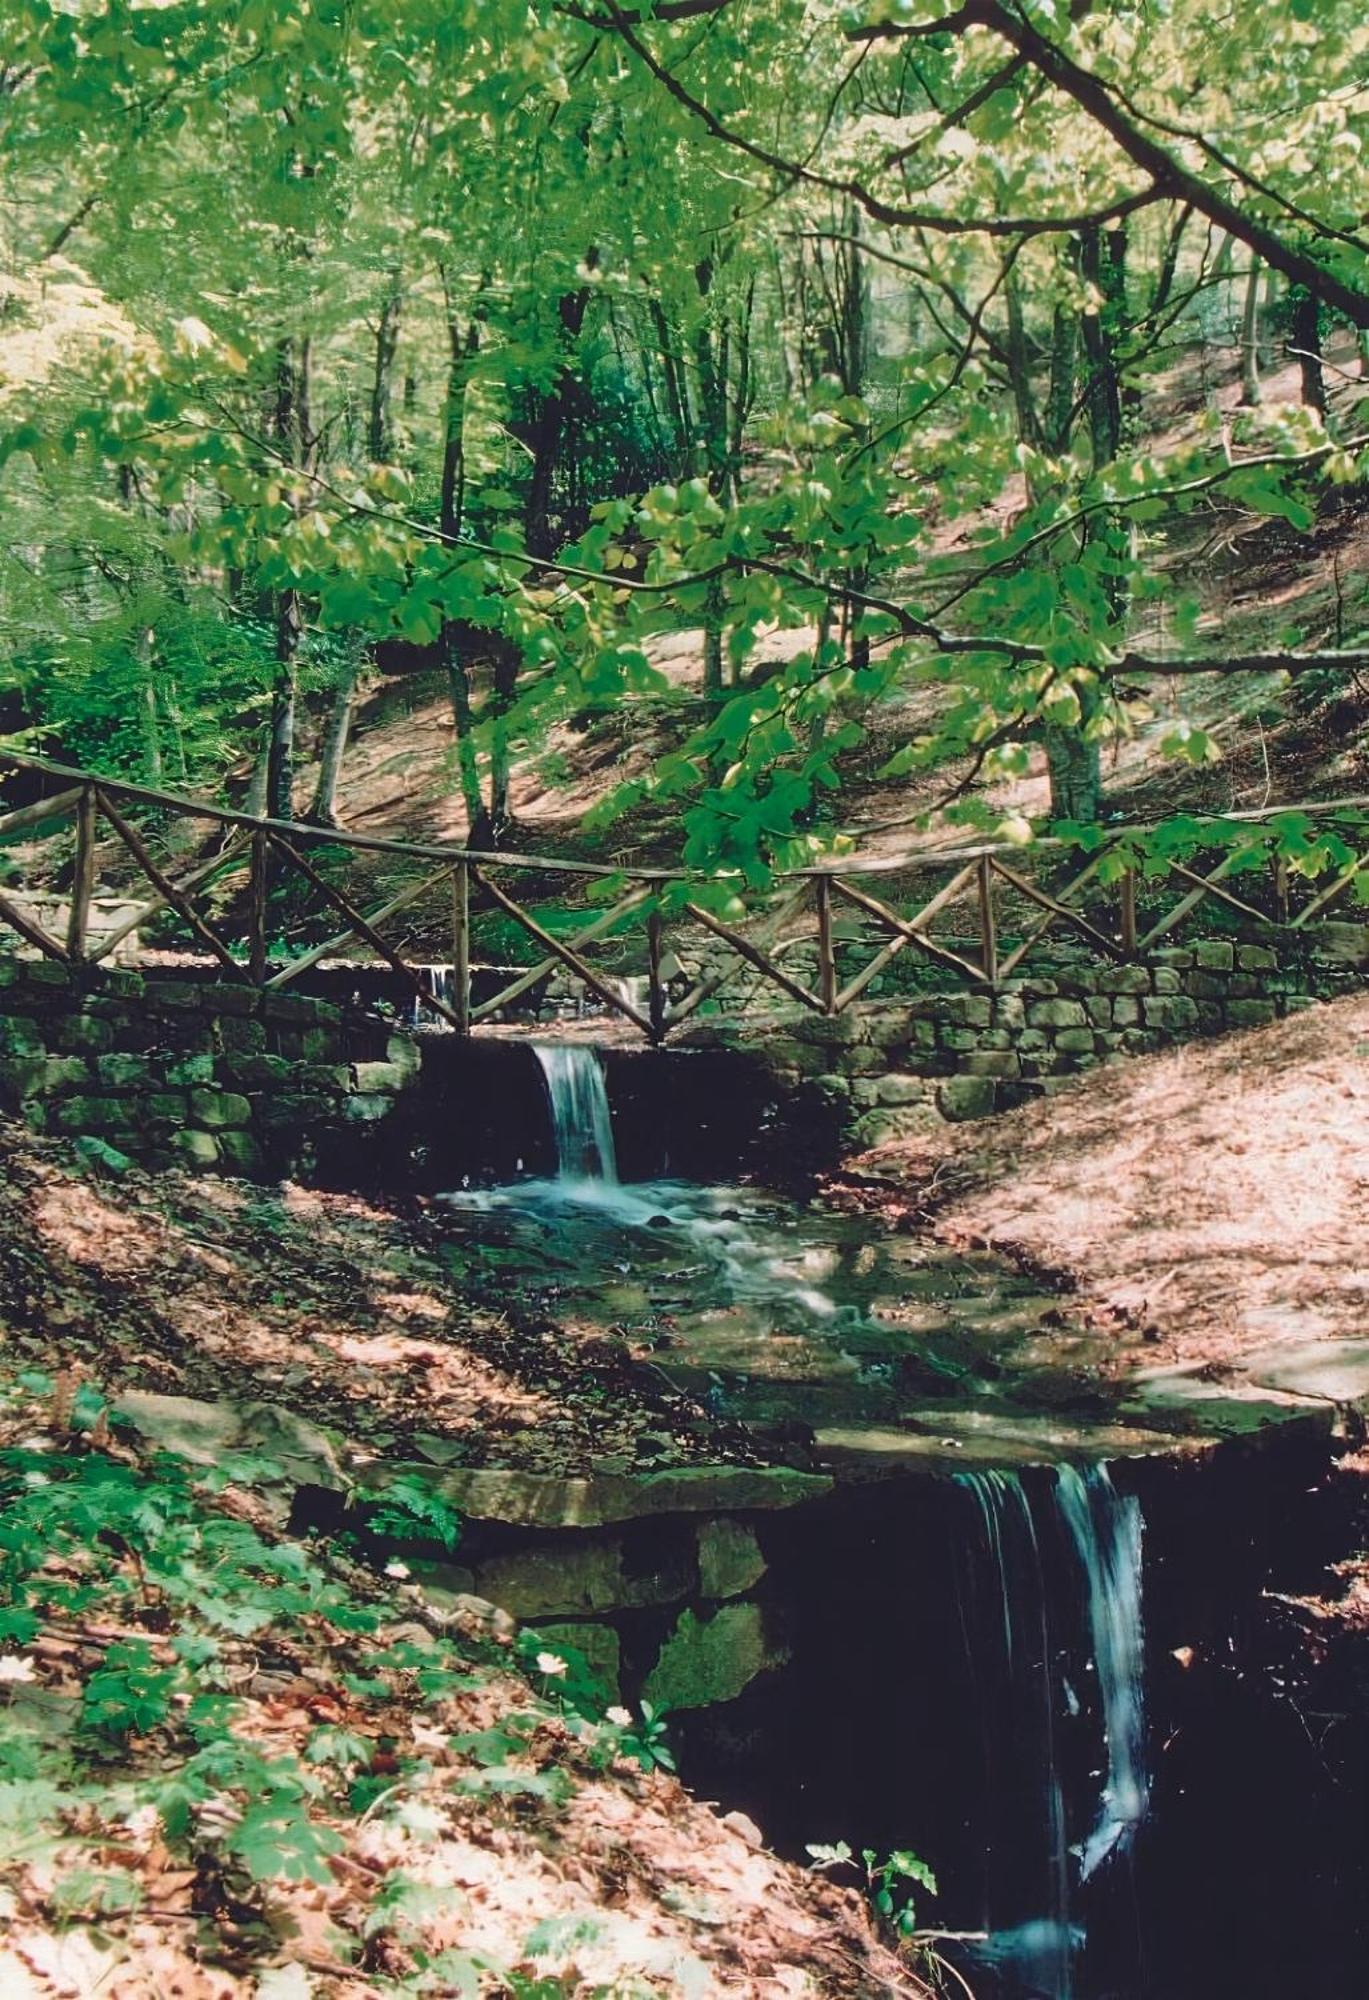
{"points": [[233, 1763]]}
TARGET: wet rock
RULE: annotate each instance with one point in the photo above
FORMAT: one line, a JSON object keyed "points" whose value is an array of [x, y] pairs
{"points": [[482, 1619], [965, 1097], [546, 1501], [200, 1149], [217, 1109], [730, 1559], [99, 1158], [709, 1660]]}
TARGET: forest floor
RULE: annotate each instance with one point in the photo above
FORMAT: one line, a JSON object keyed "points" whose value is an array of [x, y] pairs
{"points": [[1213, 1200], [239, 1766], [337, 1305], [235, 1762]]}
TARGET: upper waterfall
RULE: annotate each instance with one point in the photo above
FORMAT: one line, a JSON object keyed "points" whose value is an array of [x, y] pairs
{"points": [[580, 1119]]}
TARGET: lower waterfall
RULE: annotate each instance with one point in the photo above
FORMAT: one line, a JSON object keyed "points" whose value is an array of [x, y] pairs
{"points": [[1051, 1608]]}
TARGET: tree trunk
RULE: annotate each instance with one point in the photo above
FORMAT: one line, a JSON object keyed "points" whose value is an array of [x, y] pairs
{"points": [[1019, 370], [500, 816], [171, 708], [255, 802], [323, 811], [1103, 270], [1307, 343], [1251, 392], [462, 348], [713, 643], [294, 436], [280, 783], [1074, 764], [463, 724], [152, 735], [1059, 425], [379, 429]]}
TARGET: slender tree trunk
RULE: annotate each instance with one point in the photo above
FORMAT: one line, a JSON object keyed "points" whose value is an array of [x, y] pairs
{"points": [[1059, 425], [379, 428], [1251, 392], [504, 690], [323, 811], [1073, 755], [1019, 368], [676, 394], [1307, 342], [462, 348], [713, 643], [258, 783], [463, 723], [280, 784], [1075, 769], [152, 734], [1102, 389], [171, 708], [293, 430]]}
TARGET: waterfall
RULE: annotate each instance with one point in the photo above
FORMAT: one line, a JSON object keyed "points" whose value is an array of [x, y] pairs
{"points": [[1051, 1589], [1106, 1531], [579, 1112]]}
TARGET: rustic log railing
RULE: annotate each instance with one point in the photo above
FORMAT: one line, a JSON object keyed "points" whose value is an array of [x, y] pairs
{"points": [[982, 883]]}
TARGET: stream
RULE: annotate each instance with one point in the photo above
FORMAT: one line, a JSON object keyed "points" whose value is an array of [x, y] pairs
{"points": [[1027, 1639]]}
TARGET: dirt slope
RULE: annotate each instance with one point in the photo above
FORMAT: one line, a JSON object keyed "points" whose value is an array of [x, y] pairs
{"points": [[1205, 1203], [335, 1307]]}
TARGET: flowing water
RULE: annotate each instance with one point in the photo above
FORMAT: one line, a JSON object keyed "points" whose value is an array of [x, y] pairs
{"points": [[580, 1116], [774, 1311], [1051, 1600], [969, 1663]]}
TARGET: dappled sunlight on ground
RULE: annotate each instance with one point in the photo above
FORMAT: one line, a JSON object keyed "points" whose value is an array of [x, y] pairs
{"points": [[334, 1306], [1215, 1199]]}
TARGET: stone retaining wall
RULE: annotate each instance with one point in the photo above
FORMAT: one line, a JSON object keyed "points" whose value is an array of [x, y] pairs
{"points": [[204, 1076], [893, 1069]]}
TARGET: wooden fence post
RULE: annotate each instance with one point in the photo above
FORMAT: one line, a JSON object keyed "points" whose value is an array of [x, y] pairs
{"points": [[988, 929], [256, 912], [1282, 903], [827, 950], [83, 878], [656, 996], [461, 947]]}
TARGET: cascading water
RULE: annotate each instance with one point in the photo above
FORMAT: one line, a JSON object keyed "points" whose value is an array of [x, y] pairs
{"points": [[744, 1260], [580, 1118], [1051, 1591], [1106, 1531]]}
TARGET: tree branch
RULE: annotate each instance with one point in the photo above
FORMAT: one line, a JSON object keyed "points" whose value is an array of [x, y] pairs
{"points": [[891, 214], [1168, 174]]}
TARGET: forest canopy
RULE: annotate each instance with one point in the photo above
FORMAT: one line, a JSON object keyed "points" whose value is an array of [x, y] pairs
{"points": [[504, 338]]}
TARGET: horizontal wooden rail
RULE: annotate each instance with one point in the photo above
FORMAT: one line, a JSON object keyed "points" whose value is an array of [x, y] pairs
{"points": [[979, 893]]}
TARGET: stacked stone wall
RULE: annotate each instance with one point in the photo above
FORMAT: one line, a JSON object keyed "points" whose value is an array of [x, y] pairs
{"points": [[195, 1075], [951, 1052]]}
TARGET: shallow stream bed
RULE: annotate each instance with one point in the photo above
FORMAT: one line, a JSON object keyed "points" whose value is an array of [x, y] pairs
{"points": [[1029, 1636]]}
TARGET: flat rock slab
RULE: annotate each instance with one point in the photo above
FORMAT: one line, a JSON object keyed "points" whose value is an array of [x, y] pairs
{"points": [[536, 1500], [208, 1433], [954, 1439], [1335, 1370], [1222, 1408]]}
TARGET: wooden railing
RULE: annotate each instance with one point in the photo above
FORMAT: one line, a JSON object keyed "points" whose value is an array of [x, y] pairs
{"points": [[980, 885]]}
